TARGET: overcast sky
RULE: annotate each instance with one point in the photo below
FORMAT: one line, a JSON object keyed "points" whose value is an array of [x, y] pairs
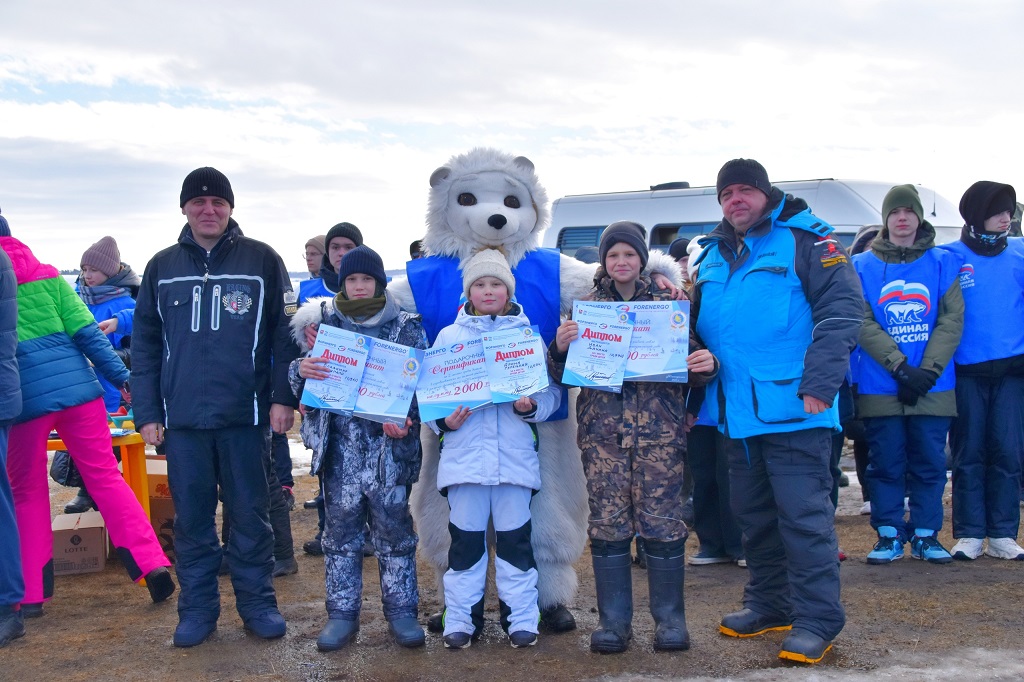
{"points": [[320, 112]]}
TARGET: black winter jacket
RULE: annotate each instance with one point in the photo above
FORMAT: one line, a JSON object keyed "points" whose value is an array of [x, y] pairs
{"points": [[211, 346]]}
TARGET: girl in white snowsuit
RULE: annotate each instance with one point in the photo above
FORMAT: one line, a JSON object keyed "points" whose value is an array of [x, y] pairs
{"points": [[489, 471], [367, 467]]}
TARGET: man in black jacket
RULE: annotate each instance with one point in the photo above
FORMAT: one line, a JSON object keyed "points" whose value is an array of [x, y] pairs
{"points": [[209, 372]]}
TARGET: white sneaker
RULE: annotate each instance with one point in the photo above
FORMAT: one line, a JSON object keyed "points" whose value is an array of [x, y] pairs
{"points": [[967, 549], [865, 508], [1004, 548]]}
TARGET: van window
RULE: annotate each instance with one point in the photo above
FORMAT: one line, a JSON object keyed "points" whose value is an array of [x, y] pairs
{"points": [[664, 234], [572, 238]]}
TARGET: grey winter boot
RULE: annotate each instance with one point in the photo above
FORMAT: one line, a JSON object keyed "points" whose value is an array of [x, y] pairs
{"points": [[614, 583], [666, 567]]}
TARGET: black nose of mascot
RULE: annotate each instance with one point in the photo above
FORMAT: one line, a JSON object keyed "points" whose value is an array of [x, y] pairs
{"points": [[497, 221]]}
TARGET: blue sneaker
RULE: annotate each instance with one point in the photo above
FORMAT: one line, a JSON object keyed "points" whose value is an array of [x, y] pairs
{"points": [[889, 547], [924, 545]]}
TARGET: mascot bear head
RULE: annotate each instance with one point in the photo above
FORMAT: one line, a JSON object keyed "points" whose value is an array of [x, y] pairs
{"points": [[485, 199]]}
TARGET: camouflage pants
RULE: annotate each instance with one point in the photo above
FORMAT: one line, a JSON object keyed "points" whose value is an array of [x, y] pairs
{"points": [[635, 491], [350, 505]]}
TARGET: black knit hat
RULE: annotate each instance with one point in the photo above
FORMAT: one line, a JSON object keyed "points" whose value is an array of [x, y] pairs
{"points": [[346, 230], [743, 172], [206, 182], [626, 232], [677, 249], [362, 260], [984, 199]]}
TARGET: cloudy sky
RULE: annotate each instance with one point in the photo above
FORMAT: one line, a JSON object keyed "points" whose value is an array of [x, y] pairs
{"points": [[320, 112]]}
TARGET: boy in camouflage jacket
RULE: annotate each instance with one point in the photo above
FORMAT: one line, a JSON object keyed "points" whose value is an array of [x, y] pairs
{"points": [[632, 446], [367, 468]]}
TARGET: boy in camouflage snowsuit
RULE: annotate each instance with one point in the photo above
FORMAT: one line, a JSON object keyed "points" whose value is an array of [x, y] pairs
{"points": [[367, 467], [632, 446]]}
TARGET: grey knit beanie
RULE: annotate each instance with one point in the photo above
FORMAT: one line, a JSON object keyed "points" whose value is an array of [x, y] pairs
{"points": [[104, 256]]}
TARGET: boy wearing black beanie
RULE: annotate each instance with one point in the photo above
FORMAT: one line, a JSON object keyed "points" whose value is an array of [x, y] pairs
{"points": [[989, 362]]}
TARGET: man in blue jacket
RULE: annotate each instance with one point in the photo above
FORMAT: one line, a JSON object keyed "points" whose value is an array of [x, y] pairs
{"points": [[210, 359], [777, 301]]}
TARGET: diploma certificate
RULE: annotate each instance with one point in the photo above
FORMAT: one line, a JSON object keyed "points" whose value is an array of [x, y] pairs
{"points": [[516, 361], [452, 375], [388, 382], [346, 353], [597, 358]]}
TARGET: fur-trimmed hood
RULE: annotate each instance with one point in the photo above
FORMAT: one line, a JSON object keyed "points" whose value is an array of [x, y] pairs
{"points": [[312, 311], [321, 308]]}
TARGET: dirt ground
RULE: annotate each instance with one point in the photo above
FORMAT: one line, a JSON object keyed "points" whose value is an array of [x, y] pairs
{"points": [[909, 620]]}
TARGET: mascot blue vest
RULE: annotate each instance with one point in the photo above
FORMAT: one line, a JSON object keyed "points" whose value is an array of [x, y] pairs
{"points": [[436, 284]]}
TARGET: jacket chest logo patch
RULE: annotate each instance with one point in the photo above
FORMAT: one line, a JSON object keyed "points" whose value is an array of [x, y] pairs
{"points": [[237, 302]]}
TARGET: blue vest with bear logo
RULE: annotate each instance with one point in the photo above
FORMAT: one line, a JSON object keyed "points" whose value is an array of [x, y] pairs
{"points": [[993, 288], [905, 299], [758, 322]]}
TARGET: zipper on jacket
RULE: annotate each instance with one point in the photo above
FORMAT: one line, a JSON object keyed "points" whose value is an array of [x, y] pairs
{"points": [[197, 302], [215, 309]]}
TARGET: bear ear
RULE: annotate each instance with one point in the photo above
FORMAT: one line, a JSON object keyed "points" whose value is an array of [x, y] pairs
{"points": [[524, 162], [440, 175]]}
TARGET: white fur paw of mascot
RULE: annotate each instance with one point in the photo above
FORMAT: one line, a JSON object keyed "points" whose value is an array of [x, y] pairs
{"points": [[489, 199]]}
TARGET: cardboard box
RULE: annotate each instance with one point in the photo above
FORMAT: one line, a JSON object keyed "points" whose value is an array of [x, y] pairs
{"points": [[161, 507], [156, 474], [161, 512], [79, 543]]}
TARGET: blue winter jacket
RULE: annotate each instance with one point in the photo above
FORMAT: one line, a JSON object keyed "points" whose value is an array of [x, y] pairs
{"points": [[10, 384], [121, 309], [781, 316]]}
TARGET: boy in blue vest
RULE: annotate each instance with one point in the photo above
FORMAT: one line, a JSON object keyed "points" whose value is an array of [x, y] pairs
{"points": [[777, 301], [988, 435], [913, 320]]}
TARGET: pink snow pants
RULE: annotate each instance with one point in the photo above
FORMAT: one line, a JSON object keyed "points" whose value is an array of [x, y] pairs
{"points": [[85, 432]]}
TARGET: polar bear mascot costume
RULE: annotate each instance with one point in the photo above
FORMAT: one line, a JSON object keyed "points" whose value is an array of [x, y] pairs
{"points": [[489, 199]]}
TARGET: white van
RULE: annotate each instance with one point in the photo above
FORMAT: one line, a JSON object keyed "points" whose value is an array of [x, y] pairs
{"points": [[677, 210]]}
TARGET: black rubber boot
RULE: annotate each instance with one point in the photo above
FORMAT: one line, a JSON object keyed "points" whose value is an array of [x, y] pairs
{"points": [[666, 566], [82, 502], [557, 618], [614, 583]]}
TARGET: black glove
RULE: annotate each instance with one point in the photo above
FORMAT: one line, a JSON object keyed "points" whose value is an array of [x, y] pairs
{"points": [[918, 380], [906, 395]]}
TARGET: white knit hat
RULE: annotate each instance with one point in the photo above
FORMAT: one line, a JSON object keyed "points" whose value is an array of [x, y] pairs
{"points": [[488, 262]]}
